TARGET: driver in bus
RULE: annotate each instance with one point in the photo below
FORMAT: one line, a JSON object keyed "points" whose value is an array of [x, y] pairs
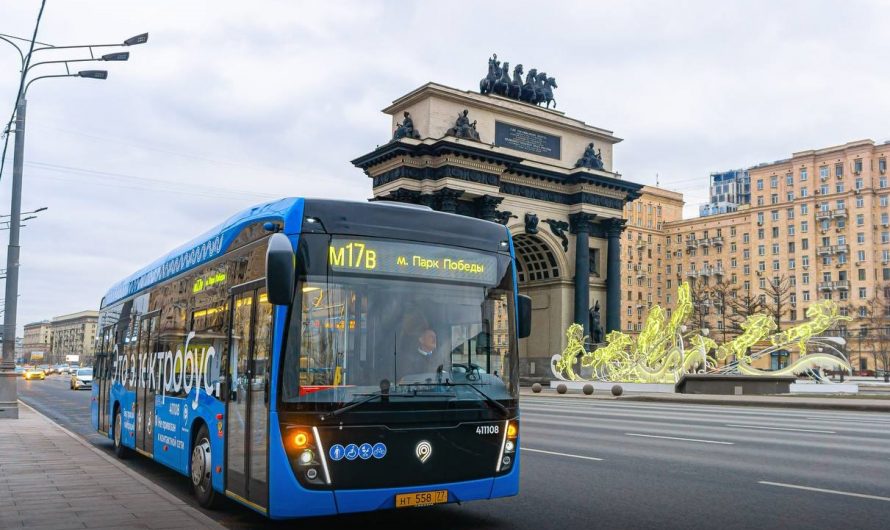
{"points": [[424, 359]]}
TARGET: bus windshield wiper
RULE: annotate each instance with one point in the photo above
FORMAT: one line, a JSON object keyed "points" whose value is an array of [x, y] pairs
{"points": [[497, 404], [380, 394]]}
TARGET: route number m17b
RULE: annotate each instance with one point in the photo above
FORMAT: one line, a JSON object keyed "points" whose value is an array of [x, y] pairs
{"points": [[353, 255], [487, 429]]}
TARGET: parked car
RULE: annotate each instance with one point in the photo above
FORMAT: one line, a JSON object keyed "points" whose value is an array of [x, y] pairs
{"points": [[63, 369], [34, 373], [82, 378]]}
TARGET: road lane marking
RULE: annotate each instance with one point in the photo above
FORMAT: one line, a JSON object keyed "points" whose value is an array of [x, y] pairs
{"points": [[561, 454], [681, 439], [820, 490], [779, 428]]}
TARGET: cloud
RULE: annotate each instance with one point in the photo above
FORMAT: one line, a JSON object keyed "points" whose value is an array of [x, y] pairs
{"points": [[232, 102]]}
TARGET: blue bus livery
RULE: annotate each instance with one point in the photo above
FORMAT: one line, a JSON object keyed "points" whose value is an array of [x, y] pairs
{"points": [[312, 357]]}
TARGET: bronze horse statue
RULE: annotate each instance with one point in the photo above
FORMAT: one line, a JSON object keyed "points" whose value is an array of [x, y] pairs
{"points": [[494, 71], [516, 86], [549, 85], [502, 84]]}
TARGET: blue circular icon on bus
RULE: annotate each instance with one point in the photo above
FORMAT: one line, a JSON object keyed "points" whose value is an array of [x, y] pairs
{"points": [[351, 452], [379, 450], [364, 451], [337, 452]]}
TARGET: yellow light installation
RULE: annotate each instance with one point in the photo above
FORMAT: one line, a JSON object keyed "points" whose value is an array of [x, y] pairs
{"points": [[664, 350]]}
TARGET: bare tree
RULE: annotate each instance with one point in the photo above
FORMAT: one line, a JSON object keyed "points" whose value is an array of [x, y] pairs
{"points": [[723, 294], [777, 299], [701, 302], [743, 305], [875, 315]]}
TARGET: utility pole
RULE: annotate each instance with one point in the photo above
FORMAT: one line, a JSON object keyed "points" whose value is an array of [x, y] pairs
{"points": [[8, 394], [8, 378]]}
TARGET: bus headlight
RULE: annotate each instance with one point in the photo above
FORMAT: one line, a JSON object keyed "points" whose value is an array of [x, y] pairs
{"points": [[306, 456], [506, 457]]}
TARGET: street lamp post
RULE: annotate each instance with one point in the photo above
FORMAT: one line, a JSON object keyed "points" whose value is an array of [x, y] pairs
{"points": [[8, 391]]}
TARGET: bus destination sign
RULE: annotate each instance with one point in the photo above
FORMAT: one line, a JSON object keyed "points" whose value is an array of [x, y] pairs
{"points": [[415, 260]]}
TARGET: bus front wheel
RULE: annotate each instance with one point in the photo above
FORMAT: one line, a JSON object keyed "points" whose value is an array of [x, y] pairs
{"points": [[201, 470]]}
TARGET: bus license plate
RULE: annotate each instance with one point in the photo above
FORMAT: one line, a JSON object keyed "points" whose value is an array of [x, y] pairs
{"points": [[423, 498]]}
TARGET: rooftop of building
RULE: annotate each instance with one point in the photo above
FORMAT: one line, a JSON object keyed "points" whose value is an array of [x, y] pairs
{"points": [[849, 146], [86, 314]]}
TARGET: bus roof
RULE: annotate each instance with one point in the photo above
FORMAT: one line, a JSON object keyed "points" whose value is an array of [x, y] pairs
{"points": [[203, 248]]}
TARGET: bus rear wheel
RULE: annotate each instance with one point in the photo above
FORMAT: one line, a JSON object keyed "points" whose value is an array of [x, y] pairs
{"points": [[119, 450], [201, 467]]}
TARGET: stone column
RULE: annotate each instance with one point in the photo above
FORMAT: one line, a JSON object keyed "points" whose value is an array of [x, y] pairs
{"points": [[486, 207], [613, 227], [447, 198], [580, 226]]}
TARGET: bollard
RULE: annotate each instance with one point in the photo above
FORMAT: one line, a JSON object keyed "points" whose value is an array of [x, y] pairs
{"points": [[536, 388], [561, 388], [588, 389], [617, 390]]}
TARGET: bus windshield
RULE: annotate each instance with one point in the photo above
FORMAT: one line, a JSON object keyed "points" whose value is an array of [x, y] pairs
{"points": [[407, 335]]}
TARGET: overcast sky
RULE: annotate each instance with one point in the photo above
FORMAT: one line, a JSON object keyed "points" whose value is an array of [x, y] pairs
{"points": [[232, 103]]}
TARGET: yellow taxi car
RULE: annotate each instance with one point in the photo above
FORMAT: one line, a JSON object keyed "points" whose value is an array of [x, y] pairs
{"points": [[34, 373]]}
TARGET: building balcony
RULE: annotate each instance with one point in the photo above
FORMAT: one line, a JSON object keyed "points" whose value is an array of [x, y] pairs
{"points": [[840, 249], [705, 242], [691, 274], [691, 243], [839, 213], [705, 271], [717, 270], [821, 215], [843, 285], [717, 241], [825, 250], [826, 286], [641, 244]]}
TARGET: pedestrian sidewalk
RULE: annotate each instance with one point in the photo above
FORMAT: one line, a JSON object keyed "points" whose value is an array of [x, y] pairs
{"points": [[806, 402], [51, 478]]}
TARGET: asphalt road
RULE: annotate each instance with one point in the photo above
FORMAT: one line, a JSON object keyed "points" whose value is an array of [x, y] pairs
{"points": [[613, 464]]}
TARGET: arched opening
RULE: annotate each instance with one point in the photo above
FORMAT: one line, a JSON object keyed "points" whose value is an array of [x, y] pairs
{"points": [[537, 271], [534, 260]]}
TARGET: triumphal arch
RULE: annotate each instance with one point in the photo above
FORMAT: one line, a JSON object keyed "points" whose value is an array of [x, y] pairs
{"points": [[501, 155]]}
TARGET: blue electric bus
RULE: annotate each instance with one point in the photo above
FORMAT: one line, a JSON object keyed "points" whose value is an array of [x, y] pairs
{"points": [[312, 357]]}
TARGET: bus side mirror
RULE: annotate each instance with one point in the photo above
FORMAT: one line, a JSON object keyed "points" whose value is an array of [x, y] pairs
{"points": [[280, 270], [525, 316]]}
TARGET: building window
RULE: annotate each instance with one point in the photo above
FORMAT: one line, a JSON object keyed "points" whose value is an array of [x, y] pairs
{"points": [[745, 238], [858, 183], [760, 200], [823, 172], [790, 230], [862, 274], [791, 263], [775, 215], [882, 182], [838, 170], [885, 237], [823, 189], [791, 247], [805, 261], [789, 196], [774, 182], [804, 192], [789, 213], [863, 293], [774, 198], [857, 166], [775, 231], [839, 187], [803, 174], [789, 179], [761, 250], [759, 184], [883, 201], [860, 219], [806, 296], [860, 202], [882, 165], [760, 233], [805, 278], [775, 249], [760, 218]]}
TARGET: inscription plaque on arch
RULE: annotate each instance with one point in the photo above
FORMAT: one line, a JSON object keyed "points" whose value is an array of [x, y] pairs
{"points": [[522, 139]]}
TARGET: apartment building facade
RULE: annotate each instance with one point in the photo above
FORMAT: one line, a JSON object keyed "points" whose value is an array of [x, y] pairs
{"points": [[37, 337], [74, 334], [818, 225]]}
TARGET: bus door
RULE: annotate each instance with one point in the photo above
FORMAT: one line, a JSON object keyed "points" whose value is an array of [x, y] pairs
{"points": [[145, 393], [247, 409], [103, 376]]}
